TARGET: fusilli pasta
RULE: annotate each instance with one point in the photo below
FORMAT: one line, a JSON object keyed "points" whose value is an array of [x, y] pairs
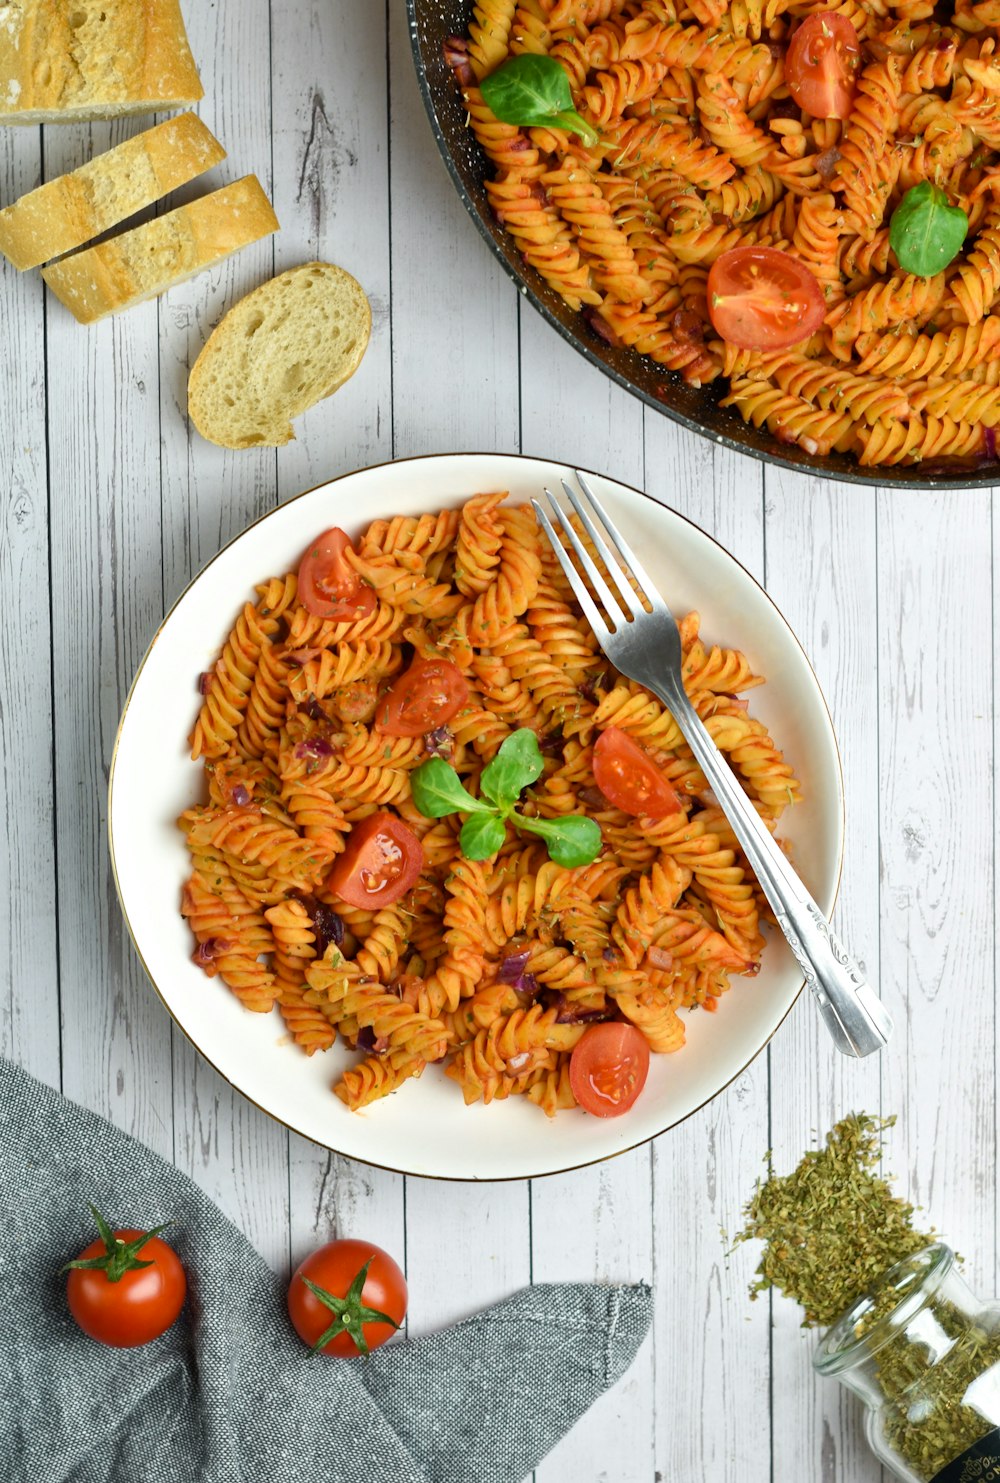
{"points": [[701, 148], [495, 968]]}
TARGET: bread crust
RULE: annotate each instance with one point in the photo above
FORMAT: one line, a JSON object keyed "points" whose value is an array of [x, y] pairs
{"points": [[148, 260], [62, 62], [63, 214]]}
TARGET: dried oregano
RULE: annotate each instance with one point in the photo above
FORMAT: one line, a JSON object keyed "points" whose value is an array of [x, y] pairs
{"points": [[833, 1226], [831, 1230]]}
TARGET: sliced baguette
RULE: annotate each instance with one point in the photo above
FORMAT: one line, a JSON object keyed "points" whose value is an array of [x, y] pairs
{"points": [[150, 259], [286, 346], [65, 213], [67, 60]]}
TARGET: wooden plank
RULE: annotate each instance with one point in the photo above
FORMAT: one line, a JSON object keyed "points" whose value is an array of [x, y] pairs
{"points": [[331, 193], [467, 1246], [995, 697], [935, 836], [596, 1225], [711, 1350], [29, 1016], [235, 1152], [106, 601], [821, 571], [454, 313]]}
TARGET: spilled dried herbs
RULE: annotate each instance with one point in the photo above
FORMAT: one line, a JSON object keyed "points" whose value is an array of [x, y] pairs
{"points": [[831, 1227], [908, 1336]]}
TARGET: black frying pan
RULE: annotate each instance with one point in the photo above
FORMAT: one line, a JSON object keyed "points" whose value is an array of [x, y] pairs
{"points": [[431, 22]]}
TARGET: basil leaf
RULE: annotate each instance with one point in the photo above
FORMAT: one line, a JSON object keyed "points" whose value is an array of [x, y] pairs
{"points": [[534, 89], [925, 233], [482, 836], [574, 840], [437, 790], [518, 763]]}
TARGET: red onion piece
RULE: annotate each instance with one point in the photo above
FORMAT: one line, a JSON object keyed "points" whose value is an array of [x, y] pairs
{"points": [[370, 1043], [455, 50], [568, 1013], [688, 327], [328, 928], [239, 796], [658, 957], [592, 797], [513, 967], [213, 947], [439, 743], [783, 108], [312, 709], [511, 971], [302, 656], [594, 686], [314, 746], [600, 327], [827, 162]]}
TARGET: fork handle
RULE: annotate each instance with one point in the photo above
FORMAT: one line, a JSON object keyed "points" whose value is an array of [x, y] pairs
{"points": [[853, 1012]]}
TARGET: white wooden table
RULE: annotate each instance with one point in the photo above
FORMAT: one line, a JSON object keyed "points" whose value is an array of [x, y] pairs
{"points": [[110, 503]]}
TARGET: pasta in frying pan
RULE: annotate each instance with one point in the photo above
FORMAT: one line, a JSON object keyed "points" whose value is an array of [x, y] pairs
{"points": [[704, 149]]}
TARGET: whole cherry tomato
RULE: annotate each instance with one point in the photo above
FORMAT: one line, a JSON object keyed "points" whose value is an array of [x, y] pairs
{"points": [[608, 1068], [347, 1298], [381, 862], [127, 1287], [630, 779], [426, 696], [328, 586], [761, 298]]}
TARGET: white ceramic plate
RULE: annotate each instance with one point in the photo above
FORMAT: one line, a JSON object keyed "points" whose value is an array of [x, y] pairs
{"points": [[425, 1128]]}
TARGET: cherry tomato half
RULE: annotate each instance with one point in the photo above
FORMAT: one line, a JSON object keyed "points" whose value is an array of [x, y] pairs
{"points": [[429, 693], [381, 862], [140, 1306], [328, 585], [761, 298], [335, 1268], [630, 779], [608, 1068], [821, 65]]}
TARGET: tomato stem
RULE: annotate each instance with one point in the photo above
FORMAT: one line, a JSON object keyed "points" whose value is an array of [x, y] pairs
{"points": [[119, 1256], [349, 1313]]}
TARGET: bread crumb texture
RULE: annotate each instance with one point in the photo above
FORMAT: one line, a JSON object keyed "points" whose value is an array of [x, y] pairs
{"points": [[285, 347], [65, 60]]}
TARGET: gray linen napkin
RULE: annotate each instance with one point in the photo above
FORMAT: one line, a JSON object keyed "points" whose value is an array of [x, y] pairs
{"points": [[230, 1394]]}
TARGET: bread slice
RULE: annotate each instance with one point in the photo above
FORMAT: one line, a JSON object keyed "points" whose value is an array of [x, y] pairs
{"points": [[286, 346], [73, 209], [150, 259], [66, 60]]}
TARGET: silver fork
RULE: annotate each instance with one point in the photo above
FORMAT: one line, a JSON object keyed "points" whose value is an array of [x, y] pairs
{"points": [[646, 646]]}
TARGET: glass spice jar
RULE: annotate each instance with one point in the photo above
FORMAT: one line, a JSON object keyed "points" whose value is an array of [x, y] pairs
{"points": [[924, 1355]]}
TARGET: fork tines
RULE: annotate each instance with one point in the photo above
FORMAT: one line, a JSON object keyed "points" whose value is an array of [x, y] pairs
{"points": [[619, 600]]}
